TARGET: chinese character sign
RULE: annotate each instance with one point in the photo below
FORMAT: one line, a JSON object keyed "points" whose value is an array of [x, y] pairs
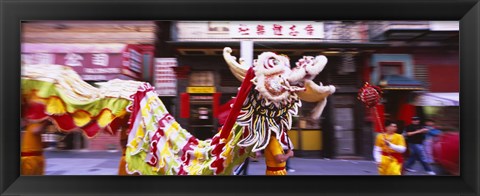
{"points": [[277, 29], [73, 59], [100, 59], [292, 29], [165, 78], [260, 29], [243, 29]]}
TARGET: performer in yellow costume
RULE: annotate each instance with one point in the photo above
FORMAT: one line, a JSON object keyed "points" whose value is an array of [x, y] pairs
{"points": [[32, 159], [388, 150], [275, 159]]}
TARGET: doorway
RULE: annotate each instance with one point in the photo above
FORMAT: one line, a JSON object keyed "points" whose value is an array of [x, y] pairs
{"points": [[344, 113]]}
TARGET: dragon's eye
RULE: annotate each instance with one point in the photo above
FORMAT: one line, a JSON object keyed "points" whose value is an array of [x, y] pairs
{"points": [[271, 62]]}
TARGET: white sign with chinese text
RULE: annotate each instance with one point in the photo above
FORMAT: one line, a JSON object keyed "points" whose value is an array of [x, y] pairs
{"points": [[165, 78], [38, 58], [290, 29]]}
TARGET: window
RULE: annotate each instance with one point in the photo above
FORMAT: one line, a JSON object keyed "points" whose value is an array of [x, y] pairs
{"points": [[391, 68], [202, 78]]}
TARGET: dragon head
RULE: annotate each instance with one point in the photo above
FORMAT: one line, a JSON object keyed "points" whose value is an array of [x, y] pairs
{"points": [[271, 74], [277, 82], [276, 95]]}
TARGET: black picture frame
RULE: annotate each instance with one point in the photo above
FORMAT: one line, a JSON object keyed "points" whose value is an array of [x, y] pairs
{"points": [[12, 12]]}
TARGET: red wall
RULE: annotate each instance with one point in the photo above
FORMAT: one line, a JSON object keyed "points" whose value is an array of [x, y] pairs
{"points": [[444, 78], [443, 69], [437, 58]]}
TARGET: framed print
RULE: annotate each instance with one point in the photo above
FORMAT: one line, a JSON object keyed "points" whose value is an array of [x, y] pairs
{"points": [[184, 28]]}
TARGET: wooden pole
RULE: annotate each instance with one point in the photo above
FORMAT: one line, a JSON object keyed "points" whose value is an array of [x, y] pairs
{"points": [[123, 143]]}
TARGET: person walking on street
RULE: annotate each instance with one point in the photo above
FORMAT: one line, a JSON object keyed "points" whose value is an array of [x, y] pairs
{"points": [[430, 136], [415, 134], [388, 150]]}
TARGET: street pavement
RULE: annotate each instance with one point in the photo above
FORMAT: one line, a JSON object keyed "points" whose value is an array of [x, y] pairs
{"points": [[61, 162]]}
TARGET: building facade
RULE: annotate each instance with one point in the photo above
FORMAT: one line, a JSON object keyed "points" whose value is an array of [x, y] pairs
{"points": [[419, 71], [406, 59], [198, 48]]}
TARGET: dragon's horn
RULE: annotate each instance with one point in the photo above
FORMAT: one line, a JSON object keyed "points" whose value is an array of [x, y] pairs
{"points": [[316, 93], [239, 70]]}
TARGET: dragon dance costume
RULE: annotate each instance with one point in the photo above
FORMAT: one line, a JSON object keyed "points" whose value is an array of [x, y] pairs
{"points": [[156, 143]]}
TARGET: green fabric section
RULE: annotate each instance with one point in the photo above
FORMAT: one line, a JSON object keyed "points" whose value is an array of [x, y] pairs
{"points": [[48, 89], [237, 158], [137, 162]]}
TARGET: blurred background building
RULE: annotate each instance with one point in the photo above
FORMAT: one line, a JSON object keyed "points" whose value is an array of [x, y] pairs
{"points": [[416, 63]]}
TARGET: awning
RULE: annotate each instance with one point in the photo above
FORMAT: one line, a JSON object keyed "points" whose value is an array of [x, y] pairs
{"points": [[437, 99], [398, 82]]}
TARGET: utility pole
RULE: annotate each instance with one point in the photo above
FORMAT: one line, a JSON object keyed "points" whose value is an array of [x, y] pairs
{"points": [[246, 51]]}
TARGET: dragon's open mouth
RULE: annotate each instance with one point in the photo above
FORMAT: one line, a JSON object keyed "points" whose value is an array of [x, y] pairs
{"points": [[300, 84]]}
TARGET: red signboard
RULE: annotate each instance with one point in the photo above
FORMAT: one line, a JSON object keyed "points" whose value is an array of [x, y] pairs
{"points": [[90, 66], [93, 65]]}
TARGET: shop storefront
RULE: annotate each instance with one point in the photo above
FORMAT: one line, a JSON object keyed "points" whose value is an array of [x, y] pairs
{"points": [[200, 104]]}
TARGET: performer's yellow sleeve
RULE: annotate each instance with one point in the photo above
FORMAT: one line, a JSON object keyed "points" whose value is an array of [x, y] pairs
{"points": [[399, 140]]}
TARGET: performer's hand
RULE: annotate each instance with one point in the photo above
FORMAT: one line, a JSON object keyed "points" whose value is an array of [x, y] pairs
{"points": [[387, 142], [290, 153], [423, 130]]}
